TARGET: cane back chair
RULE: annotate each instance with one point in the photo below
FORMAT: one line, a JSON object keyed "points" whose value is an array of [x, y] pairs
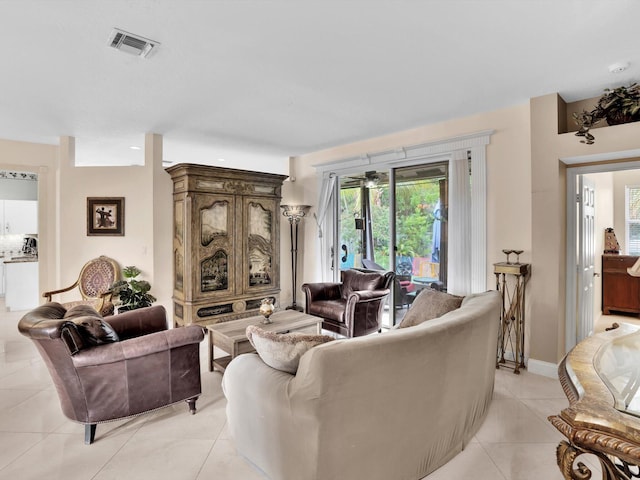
{"points": [[94, 284]]}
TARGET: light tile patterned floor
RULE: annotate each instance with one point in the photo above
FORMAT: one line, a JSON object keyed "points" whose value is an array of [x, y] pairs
{"points": [[516, 442]]}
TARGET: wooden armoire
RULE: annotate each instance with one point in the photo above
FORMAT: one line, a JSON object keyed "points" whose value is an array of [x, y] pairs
{"points": [[226, 242]]}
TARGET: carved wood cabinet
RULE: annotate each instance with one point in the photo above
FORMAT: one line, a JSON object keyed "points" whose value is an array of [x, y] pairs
{"points": [[226, 242], [620, 291]]}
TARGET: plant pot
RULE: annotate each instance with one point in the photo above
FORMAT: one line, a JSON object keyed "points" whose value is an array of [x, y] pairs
{"points": [[618, 118]]}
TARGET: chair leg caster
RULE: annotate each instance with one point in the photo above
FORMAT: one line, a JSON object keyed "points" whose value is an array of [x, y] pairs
{"points": [[89, 433], [192, 405]]}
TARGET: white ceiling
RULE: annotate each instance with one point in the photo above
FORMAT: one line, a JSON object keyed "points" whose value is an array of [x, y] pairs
{"points": [[256, 81]]}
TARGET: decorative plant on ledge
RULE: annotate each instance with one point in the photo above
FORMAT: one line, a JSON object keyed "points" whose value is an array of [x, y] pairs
{"points": [[133, 294], [617, 106]]}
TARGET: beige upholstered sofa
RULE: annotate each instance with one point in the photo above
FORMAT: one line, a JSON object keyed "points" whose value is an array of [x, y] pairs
{"points": [[390, 406]]}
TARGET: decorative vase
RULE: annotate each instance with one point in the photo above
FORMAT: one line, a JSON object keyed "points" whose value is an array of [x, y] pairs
{"points": [[266, 309]]}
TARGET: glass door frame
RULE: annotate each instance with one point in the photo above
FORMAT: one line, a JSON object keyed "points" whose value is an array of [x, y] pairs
{"points": [[474, 145]]}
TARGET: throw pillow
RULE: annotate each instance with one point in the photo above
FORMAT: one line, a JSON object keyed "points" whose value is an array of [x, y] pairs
{"points": [[430, 304], [85, 328], [283, 351]]}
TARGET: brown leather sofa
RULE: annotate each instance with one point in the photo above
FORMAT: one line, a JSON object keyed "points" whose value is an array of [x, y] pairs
{"points": [[106, 371], [353, 307]]}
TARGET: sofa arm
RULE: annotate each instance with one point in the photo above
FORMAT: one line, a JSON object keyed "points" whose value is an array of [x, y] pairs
{"points": [[261, 413], [368, 295], [142, 321], [139, 347], [321, 291]]}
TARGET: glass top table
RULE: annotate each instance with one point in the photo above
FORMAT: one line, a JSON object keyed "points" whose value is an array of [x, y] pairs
{"points": [[618, 365], [601, 379]]}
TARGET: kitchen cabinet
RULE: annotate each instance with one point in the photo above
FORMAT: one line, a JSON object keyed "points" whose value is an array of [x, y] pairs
{"points": [[226, 242], [19, 217], [21, 285]]}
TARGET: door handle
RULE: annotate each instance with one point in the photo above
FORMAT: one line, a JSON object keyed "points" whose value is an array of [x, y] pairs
{"points": [[596, 274]]}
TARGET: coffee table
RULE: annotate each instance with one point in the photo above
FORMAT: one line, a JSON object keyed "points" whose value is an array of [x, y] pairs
{"points": [[230, 336]]}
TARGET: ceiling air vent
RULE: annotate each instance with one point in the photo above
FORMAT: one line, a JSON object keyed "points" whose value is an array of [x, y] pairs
{"points": [[130, 43]]}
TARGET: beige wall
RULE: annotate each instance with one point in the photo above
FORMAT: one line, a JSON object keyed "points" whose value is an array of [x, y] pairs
{"points": [[143, 216], [548, 176], [508, 179], [40, 159], [525, 205], [63, 188]]}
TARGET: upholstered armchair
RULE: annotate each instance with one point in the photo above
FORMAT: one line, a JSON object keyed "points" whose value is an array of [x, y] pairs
{"points": [[127, 366], [352, 307], [94, 285]]}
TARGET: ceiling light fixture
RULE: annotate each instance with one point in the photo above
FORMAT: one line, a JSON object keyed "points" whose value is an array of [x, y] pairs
{"points": [[134, 147], [371, 179], [618, 67]]}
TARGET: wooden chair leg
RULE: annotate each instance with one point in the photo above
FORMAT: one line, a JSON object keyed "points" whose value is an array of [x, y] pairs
{"points": [[89, 433]]}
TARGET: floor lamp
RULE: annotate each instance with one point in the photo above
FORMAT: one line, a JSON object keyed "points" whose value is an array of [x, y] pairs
{"points": [[294, 213]]}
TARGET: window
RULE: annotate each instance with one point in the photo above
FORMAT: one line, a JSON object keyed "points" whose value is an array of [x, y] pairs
{"points": [[632, 220]]}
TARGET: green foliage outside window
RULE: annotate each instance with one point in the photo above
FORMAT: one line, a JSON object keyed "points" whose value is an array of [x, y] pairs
{"points": [[415, 204]]}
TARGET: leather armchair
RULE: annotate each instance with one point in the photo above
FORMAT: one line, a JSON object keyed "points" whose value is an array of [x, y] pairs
{"points": [[352, 307], [403, 287], [148, 368]]}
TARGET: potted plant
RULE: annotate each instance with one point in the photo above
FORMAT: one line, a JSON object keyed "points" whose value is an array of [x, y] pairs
{"points": [[617, 106], [133, 294]]}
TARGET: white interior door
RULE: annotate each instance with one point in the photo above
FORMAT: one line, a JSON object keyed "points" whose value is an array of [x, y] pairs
{"points": [[586, 257]]}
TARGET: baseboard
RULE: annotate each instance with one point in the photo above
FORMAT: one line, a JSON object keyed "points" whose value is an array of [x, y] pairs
{"points": [[545, 369]]}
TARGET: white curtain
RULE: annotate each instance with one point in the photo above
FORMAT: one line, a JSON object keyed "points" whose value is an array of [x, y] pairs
{"points": [[459, 233], [325, 201]]}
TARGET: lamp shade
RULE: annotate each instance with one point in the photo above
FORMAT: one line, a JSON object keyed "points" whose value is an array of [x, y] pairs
{"points": [[295, 212]]}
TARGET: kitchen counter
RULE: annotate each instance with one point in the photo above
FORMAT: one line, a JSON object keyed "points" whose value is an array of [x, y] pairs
{"points": [[21, 283], [22, 259]]}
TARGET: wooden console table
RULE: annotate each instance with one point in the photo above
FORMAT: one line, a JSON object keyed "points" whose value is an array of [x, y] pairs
{"points": [[232, 339], [601, 379]]}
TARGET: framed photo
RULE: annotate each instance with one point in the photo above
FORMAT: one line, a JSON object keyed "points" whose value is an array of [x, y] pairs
{"points": [[105, 216]]}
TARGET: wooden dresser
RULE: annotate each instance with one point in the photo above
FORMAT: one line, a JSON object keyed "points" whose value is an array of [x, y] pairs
{"points": [[226, 242], [620, 291]]}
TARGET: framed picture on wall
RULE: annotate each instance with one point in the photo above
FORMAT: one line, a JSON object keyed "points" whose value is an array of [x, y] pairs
{"points": [[105, 216]]}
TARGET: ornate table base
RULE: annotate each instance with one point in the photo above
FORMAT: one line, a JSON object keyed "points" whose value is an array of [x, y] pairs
{"points": [[612, 468]]}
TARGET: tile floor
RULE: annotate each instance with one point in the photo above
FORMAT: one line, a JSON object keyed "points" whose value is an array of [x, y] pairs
{"points": [[516, 442]]}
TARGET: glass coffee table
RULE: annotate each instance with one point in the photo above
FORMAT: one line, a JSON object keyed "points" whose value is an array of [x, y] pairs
{"points": [[601, 379], [230, 337]]}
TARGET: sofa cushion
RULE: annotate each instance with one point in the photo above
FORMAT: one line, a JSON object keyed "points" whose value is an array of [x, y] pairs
{"points": [[329, 309], [85, 328], [283, 351], [354, 281], [430, 304]]}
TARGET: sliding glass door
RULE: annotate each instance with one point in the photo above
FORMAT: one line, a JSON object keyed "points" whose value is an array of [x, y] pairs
{"points": [[418, 216]]}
